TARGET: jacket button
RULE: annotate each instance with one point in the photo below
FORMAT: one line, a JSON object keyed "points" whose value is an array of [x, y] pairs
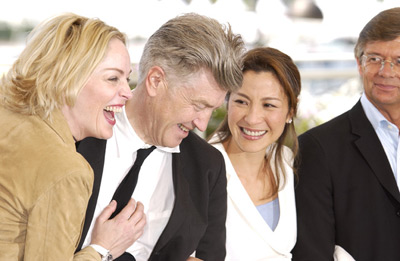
{"points": [[398, 213]]}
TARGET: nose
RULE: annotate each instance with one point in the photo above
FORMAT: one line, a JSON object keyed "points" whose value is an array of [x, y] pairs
{"points": [[125, 91], [201, 122], [253, 115], [385, 71]]}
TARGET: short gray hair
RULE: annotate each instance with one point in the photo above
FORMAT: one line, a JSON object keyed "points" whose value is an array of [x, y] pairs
{"points": [[190, 42]]}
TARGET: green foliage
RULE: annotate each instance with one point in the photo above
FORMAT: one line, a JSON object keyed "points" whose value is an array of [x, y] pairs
{"points": [[216, 118], [14, 33], [5, 31], [304, 124]]}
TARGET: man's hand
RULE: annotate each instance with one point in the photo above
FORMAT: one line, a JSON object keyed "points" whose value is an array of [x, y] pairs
{"points": [[122, 231]]}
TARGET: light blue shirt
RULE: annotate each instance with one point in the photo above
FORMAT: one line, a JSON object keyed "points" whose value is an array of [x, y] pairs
{"points": [[270, 212], [387, 132]]}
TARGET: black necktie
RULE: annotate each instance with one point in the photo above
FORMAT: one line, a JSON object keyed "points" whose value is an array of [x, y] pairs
{"points": [[124, 191]]}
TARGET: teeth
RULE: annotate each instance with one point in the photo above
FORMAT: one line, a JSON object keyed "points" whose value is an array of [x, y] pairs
{"points": [[113, 108], [182, 127], [253, 133]]}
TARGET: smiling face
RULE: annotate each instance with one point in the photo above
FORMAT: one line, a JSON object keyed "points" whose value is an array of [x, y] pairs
{"points": [[179, 109], [257, 113], [104, 94], [382, 86]]}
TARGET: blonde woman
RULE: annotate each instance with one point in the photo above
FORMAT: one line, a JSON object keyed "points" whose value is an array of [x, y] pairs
{"points": [[66, 85]]}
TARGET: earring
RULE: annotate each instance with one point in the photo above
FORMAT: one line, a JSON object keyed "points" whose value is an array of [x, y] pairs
{"points": [[289, 121]]}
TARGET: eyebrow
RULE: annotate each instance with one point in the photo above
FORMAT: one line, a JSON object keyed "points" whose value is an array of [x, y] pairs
{"points": [[263, 99], [116, 69], [377, 54], [204, 102]]}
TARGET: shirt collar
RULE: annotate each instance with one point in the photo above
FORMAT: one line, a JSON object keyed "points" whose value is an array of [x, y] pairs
{"points": [[123, 130], [373, 114]]}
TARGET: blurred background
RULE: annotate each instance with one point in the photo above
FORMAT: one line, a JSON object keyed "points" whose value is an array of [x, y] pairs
{"points": [[319, 35]]}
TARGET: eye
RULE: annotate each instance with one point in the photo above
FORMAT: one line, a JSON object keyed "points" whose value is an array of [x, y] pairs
{"points": [[374, 59], [238, 101], [397, 61], [199, 107], [113, 79], [269, 105]]}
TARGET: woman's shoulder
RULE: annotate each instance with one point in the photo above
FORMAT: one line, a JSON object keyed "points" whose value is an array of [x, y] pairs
{"points": [[40, 154]]}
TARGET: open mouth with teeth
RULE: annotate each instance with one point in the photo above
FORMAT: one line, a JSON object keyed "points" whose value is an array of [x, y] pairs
{"points": [[109, 113], [183, 127], [253, 133]]}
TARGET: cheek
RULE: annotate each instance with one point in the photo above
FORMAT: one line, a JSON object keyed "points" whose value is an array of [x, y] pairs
{"points": [[236, 112], [231, 114], [187, 114], [367, 75], [233, 117], [99, 94], [278, 120], [367, 81]]}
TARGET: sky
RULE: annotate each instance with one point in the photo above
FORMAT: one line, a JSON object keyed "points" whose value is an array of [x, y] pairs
{"points": [[140, 18]]}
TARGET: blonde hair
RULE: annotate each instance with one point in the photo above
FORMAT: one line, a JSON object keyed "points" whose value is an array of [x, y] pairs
{"points": [[60, 55]]}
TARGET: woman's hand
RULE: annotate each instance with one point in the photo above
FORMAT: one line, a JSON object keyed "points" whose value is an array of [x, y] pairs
{"points": [[122, 231]]}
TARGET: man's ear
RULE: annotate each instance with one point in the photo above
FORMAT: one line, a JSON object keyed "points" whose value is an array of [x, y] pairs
{"points": [[155, 80], [359, 66]]}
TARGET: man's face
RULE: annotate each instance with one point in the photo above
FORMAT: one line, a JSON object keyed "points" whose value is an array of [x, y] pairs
{"points": [[184, 107], [382, 82]]}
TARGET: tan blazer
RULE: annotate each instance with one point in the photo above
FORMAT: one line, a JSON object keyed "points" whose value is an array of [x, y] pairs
{"points": [[44, 189], [248, 236]]}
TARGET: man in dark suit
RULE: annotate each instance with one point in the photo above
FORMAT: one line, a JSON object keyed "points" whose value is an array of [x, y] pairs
{"points": [[348, 199], [186, 69]]}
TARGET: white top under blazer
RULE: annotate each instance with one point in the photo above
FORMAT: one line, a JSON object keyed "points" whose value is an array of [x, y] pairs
{"points": [[248, 236]]}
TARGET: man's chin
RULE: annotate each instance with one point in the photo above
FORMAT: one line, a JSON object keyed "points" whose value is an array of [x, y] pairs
{"points": [[173, 143]]}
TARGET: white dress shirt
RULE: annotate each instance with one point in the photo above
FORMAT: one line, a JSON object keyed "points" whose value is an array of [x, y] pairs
{"points": [[388, 134], [154, 187]]}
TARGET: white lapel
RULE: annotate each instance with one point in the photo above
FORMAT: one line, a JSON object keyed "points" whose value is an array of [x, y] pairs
{"points": [[279, 239]]}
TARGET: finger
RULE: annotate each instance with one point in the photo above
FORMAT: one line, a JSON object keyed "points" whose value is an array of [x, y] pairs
{"points": [[139, 213], [140, 223], [138, 228], [107, 211], [127, 211]]}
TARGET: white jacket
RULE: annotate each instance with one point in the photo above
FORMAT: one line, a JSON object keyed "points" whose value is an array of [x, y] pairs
{"points": [[249, 237]]}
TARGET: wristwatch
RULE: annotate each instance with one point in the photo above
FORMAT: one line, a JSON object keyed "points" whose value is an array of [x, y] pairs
{"points": [[105, 254]]}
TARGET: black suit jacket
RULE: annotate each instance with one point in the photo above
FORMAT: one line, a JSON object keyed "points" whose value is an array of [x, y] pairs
{"points": [[346, 194], [198, 217]]}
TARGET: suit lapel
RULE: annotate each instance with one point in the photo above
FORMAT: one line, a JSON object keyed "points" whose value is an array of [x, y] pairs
{"points": [[239, 198], [93, 150], [371, 149]]}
